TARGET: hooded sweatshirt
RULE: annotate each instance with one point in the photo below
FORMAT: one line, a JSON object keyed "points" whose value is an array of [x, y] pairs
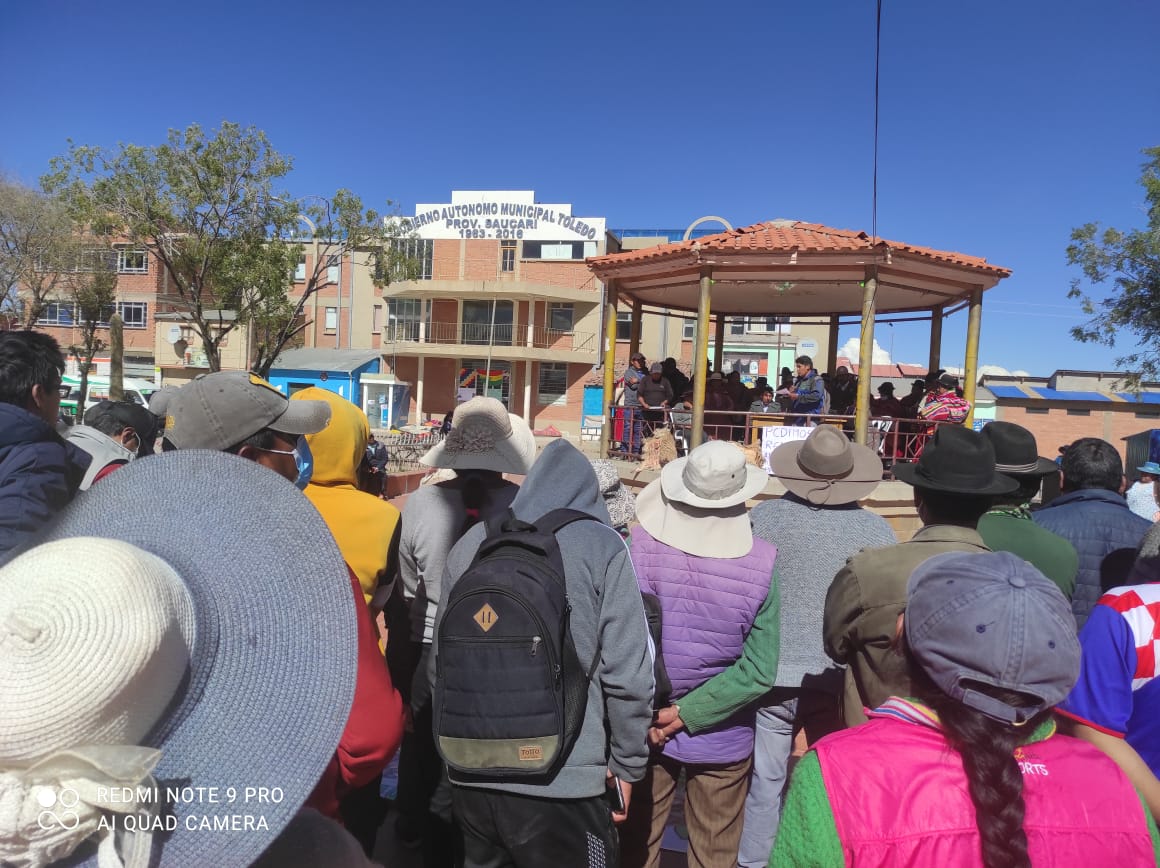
{"points": [[607, 619], [365, 527]]}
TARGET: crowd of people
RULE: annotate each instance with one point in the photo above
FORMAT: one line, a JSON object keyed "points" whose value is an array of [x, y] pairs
{"points": [[184, 633], [660, 394]]}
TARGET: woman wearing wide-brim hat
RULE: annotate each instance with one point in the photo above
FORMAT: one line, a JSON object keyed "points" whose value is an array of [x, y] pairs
{"points": [[695, 551]]}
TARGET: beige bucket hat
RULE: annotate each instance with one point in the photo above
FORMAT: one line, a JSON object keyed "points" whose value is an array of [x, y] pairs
{"points": [[485, 436], [697, 505]]}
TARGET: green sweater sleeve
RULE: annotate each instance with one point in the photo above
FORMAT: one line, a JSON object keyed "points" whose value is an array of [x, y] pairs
{"points": [[748, 678], [807, 836], [1153, 832]]}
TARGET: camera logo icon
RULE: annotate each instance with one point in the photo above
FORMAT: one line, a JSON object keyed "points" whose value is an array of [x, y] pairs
{"points": [[58, 808]]}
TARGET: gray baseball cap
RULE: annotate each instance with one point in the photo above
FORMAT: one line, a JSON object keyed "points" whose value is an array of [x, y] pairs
{"points": [[992, 620], [220, 410]]}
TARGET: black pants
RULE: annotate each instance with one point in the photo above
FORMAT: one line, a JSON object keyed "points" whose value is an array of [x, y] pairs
{"points": [[505, 830]]}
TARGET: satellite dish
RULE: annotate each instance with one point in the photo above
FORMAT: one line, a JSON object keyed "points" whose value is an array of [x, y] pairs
{"points": [[174, 334]]}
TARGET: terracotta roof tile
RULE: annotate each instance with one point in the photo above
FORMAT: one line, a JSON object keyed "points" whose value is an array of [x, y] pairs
{"points": [[787, 236]]}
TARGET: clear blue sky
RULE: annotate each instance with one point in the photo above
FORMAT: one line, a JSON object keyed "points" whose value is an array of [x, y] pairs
{"points": [[1003, 124]]}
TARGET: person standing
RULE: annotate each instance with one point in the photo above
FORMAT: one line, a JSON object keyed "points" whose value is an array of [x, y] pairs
{"points": [[808, 391], [843, 389], [1093, 516], [1007, 526], [564, 818], [39, 472], [655, 396], [634, 374], [966, 767], [1141, 496], [954, 482], [695, 551], [484, 443], [943, 403]]}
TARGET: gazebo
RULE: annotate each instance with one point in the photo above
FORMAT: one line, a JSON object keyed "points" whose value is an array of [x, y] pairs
{"points": [[795, 269]]}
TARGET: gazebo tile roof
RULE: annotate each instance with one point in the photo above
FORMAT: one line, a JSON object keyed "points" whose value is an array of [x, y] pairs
{"points": [[787, 236]]}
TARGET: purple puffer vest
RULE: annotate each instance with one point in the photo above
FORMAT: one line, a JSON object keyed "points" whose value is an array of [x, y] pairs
{"points": [[708, 606]]}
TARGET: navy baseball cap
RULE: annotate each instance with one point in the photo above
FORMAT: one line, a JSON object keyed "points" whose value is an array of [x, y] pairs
{"points": [[992, 620]]}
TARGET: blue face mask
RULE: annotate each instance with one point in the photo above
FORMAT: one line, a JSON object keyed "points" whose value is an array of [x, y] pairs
{"points": [[304, 460]]}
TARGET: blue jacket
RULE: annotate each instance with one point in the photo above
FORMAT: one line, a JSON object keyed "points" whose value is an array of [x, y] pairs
{"points": [[1105, 534], [39, 474], [811, 393]]}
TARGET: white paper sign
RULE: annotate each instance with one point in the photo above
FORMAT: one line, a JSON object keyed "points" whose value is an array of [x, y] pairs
{"points": [[773, 436]]}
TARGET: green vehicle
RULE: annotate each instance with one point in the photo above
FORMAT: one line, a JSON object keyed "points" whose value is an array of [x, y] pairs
{"points": [[136, 390]]}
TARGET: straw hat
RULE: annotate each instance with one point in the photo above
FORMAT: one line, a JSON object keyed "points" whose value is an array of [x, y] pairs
{"points": [[484, 436], [160, 640], [826, 469], [697, 504]]}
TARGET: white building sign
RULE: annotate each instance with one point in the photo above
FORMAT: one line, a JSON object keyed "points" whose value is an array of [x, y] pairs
{"points": [[504, 214]]}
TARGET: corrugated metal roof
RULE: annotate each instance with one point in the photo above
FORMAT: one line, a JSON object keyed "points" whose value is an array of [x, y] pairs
{"points": [[1142, 398], [1054, 395], [307, 359], [1007, 392]]}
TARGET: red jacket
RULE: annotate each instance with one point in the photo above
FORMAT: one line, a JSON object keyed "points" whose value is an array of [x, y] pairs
{"points": [[374, 727]]}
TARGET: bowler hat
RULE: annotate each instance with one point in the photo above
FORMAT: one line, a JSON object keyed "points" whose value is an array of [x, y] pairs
{"points": [[956, 460], [1015, 451], [886, 387]]}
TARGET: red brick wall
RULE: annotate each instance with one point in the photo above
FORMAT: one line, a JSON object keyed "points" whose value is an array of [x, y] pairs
{"points": [[1111, 422], [445, 262]]}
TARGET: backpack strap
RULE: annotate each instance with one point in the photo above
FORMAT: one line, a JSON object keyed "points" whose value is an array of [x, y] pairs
{"points": [[557, 519]]}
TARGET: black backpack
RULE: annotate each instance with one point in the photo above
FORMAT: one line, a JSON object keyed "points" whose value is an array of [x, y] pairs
{"points": [[510, 692]]}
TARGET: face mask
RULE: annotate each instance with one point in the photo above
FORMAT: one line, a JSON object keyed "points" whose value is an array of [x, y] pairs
{"points": [[303, 460]]}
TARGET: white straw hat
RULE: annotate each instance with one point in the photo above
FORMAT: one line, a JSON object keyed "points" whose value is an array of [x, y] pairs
{"points": [[485, 436], [187, 623]]}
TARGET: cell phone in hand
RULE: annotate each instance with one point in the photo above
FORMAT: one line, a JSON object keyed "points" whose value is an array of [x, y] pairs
{"points": [[614, 795]]}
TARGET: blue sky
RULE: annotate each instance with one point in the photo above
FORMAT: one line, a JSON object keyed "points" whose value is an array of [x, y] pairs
{"points": [[1003, 124]]}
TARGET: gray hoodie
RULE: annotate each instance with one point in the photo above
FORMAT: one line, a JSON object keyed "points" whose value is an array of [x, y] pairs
{"points": [[606, 612]]}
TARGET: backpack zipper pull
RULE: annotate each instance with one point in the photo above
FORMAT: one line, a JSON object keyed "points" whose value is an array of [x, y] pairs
{"points": [[535, 644]]}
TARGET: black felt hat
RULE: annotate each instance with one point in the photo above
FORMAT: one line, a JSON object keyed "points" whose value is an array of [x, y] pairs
{"points": [[958, 461], [1016, 453]]}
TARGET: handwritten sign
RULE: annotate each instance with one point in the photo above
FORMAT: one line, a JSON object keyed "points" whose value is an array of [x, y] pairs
{"points": [[773, 436]]}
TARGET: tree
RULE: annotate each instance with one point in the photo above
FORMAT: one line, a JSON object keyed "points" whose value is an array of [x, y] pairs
{"points": [[205, 207], [93, 295], [1130, 262], [340, 228], [39, 249]]}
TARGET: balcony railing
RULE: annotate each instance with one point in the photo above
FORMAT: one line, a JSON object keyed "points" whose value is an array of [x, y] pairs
{"points": [[484, 334]]}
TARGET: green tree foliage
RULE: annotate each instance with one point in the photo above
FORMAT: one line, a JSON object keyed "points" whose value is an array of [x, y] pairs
{"points": [[93, 294], [205, 206], [39, 249], [1128, 264]]}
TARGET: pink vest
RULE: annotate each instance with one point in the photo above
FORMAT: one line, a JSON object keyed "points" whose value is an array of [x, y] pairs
{"points": [[899, 797]]}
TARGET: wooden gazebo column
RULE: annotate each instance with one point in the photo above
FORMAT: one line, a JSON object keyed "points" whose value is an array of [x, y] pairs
{"points": [[865, 358], [701, 358], [971, 362], [609, 364], [936, 324], [634, 328]]}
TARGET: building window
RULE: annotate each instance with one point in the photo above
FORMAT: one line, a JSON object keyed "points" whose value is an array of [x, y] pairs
{"points": [[1037, 411], [331, 318], [403, 318], [376, 319], [132, 261], [623, 325], [736, 325], [133, 313], [300, 270], [332, 266], [688, 329], [553, 386], [765, 324], [507, 256], [1147, 414], [494, 382], [57, 314], [1079, 412], [561, 315], [568, 250], [487, 322], [413, 258]]}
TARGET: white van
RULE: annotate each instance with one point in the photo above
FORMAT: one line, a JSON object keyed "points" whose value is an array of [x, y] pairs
{"points": [[136, 390]]}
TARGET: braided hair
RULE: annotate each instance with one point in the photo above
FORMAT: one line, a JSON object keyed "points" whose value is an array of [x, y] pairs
{"points": [[994, 780]]}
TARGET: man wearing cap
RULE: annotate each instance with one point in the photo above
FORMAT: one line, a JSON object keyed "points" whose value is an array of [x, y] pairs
{"points": [[39, 472], [240, 413], [114, 433], [825, 476], [655, 395], [1093, 516], [954, 482], [633, 375], [1141, 496], [1007, 526]]}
